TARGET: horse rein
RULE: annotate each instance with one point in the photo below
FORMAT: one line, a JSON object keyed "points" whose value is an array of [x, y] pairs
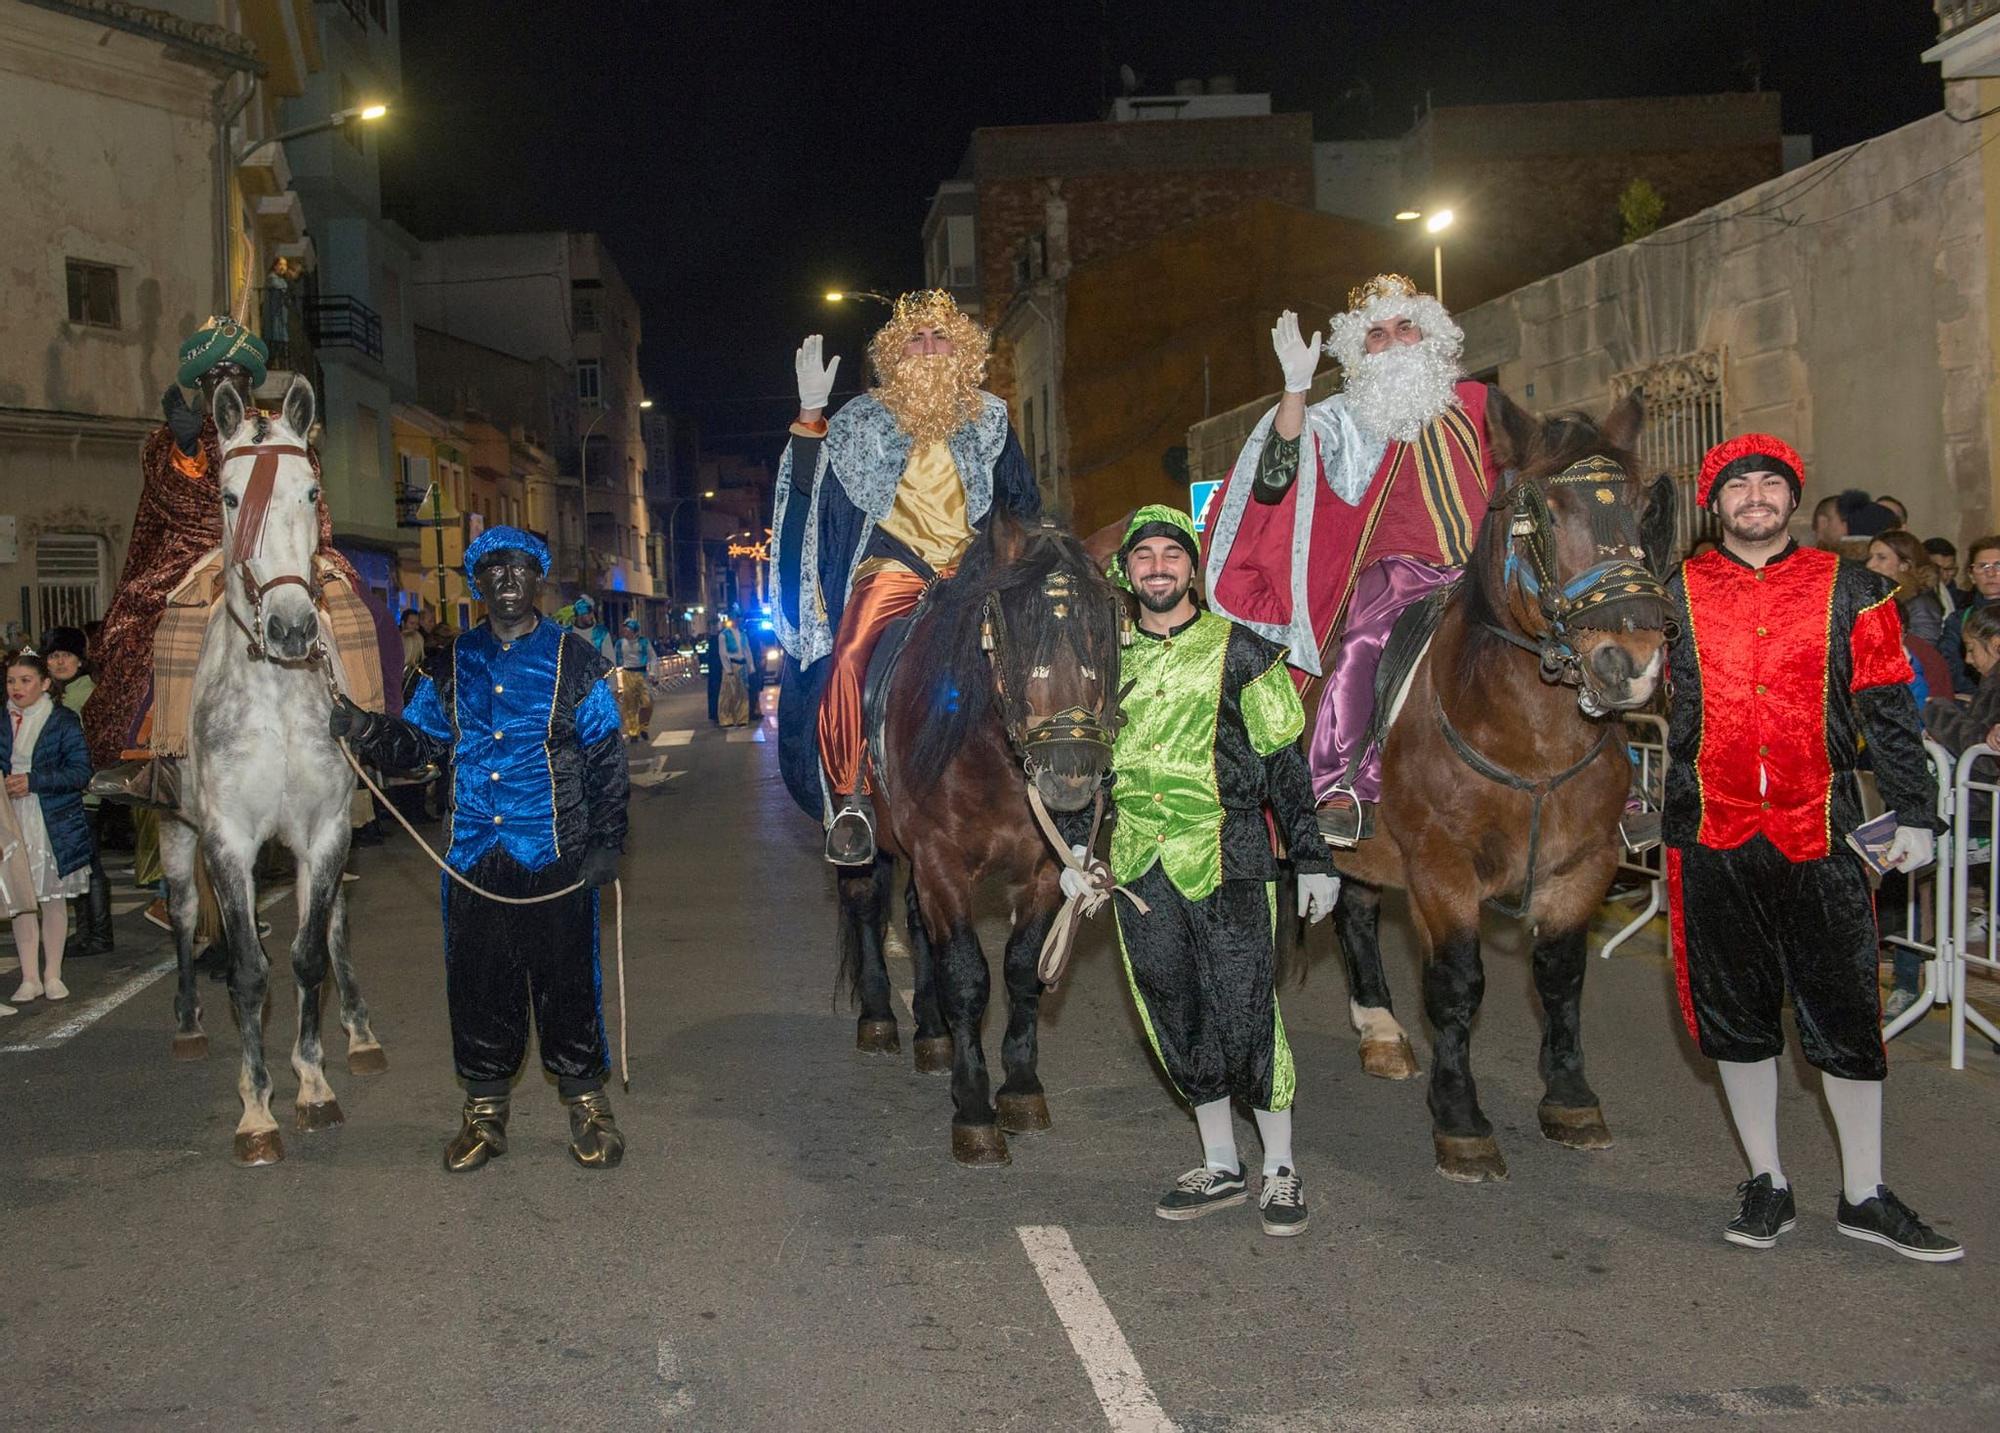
{"points": [[1622, 579], [248, 543]]}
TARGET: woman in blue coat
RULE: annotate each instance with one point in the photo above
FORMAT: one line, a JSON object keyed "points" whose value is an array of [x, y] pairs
{"points": [[42, 752]]}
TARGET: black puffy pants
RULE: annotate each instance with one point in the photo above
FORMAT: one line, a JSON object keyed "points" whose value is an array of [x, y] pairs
{"points": [[500, 961]]}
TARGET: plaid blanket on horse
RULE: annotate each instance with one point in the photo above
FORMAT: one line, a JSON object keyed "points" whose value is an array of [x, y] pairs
{"points": [[344, 621]]}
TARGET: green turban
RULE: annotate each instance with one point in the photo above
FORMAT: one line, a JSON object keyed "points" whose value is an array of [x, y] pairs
{"points": [[1155, 520], [222, 340]]}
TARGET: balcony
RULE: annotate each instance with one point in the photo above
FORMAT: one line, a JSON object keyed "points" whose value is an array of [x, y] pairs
{"points": [[1957, 15], [343, 321], [287, 333]]}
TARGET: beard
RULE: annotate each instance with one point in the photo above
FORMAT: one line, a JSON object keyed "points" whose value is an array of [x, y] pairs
{"points": [[1756, 523], [1393, 394], [931, 397], [1165, 601]]}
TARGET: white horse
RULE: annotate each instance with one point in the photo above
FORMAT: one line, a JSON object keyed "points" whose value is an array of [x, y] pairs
{"points": [[260, 764]]}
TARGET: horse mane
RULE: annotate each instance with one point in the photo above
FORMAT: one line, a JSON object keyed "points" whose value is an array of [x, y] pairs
{"points": [[1560, 440], [945, 655]]}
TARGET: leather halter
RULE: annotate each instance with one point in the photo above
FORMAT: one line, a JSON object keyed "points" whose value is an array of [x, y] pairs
{"points": [[1581, 601], [1093, 726], [248, 542]]}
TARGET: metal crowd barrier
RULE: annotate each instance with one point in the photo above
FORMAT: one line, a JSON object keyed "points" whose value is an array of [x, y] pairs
{"points": [[1971, 943], [1646, 739], [1928, 908]]}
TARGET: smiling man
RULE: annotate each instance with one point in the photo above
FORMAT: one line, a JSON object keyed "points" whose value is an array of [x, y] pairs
{"points": [[1783, 659], [1210, 744], [1338, 516], [539, 783]]}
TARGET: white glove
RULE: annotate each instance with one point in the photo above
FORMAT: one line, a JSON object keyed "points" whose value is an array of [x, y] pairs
{"points": [[815, 377], [1317, 895], [1912, 849], [1298, 357], [1075, 882]]}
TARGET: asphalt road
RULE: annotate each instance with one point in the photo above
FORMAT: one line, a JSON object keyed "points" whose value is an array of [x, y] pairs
{"points": [[789, 1245]]}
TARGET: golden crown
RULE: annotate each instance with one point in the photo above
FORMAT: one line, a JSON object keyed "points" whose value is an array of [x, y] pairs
{"points": [[1382, 286], [925, 306]]}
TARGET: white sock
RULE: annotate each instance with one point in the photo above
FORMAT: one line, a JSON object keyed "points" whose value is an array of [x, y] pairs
{"points": [[1857, 1116], [1275, 1128], [1218, 1135], [55, 931], [1753, 1104], [28, 945]]}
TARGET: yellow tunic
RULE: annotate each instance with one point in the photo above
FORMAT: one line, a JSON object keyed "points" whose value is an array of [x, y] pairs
{"points": [[929, 516]]}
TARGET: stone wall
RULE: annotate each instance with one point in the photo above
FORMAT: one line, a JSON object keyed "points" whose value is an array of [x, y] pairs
{"points": [[1847, 300]]}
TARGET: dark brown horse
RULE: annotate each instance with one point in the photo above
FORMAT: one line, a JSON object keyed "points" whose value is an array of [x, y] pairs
{"points": [[1010, 676], [1503, 777]]}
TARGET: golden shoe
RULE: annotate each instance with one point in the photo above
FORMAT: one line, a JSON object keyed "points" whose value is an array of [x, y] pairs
{"points": [[482, 1133], [594, 1140]]}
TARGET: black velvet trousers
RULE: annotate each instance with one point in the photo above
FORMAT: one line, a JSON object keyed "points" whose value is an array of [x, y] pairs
{"points": [[501, 961], [1747, 925], [1203, 975]]}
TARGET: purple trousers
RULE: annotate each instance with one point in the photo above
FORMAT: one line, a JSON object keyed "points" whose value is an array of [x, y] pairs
{"points": [[1346, 707]]}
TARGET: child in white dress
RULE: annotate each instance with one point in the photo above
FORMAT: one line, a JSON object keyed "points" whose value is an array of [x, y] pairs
{"points": [[38, 728]]}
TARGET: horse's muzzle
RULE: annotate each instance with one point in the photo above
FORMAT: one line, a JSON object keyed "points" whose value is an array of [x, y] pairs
{"points": [[1068, 773], [1619, 679], [291, 639]]}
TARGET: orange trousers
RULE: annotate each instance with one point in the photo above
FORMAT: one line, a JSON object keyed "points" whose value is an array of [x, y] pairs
{"points": [[877, 600]]}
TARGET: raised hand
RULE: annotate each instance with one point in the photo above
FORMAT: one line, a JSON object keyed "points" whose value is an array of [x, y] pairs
{"points": [[815, 377], [1298, 357]]}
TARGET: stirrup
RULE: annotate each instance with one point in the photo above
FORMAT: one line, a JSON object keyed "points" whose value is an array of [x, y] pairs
{"points": [[850, 839], [1346, 822]]}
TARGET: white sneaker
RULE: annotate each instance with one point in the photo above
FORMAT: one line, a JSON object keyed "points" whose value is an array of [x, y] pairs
{"points": [[27, 990], [6, 1010], [55, 990]]}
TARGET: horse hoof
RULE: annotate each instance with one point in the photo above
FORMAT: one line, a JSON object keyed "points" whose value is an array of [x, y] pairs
{"points": [[314, 1118], [1389, 1059], [1578, 1128], [979, 1146], [934, 1055], [191, 1047], [1023, 1114], [258, 1146], [1469, 1159], [876, 1037], [367, 1060]]}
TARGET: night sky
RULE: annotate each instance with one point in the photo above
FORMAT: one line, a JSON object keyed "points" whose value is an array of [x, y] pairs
{"points": [[742, 158]]}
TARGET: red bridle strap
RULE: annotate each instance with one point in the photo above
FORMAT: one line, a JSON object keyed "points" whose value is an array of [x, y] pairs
{"points": [[257, 494]]}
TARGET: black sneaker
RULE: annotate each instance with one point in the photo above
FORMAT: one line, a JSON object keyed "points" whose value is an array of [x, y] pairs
{"points": [[1763, 1215], [1200, 1190], [1283, 1203], [1888, 1221]]}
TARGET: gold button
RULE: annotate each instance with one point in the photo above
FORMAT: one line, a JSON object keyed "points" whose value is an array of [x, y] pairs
{"points": [[1760, 689], [1161, 839], [496, 819], [1158, 745], [1159, 691], [1763, 751], [498, 734], [1766, 805], [1761, 632], [493, 775], [1158, 798], [499, 687], [1168, 644], [1760, 575]]}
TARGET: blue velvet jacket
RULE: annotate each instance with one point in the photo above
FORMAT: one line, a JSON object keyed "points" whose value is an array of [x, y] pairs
{"points": [[61, 770], [531, 727]]}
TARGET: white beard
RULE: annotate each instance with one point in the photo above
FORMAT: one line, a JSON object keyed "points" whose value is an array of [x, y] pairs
{"points": [[1393, 394]]}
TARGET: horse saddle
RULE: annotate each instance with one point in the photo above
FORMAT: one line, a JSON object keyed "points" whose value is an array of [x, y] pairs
{"points": [[875, 693], [1408, 640]]}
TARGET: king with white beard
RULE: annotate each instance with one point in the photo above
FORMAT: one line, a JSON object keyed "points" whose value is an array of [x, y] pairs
{"points": [[1338, 516]]}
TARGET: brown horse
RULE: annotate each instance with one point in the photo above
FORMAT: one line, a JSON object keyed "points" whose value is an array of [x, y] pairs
{"points": [[1009, 677], [1500, 773]]}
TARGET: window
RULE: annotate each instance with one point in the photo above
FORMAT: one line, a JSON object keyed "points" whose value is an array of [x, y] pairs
{"points": [[1683, 421], [587, 387], [588, 319], [69, 578], [93, 294]]}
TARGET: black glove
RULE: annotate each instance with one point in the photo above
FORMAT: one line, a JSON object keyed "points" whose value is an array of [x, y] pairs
{"points": [[600, 866], [183, 420], [346, 719]]}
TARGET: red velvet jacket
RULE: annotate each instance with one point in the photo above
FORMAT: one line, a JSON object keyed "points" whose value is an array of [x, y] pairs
{"points": [[1776, 674]]}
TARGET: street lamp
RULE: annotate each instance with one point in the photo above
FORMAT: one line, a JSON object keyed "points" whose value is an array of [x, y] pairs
{"points": [[361, 113], [583, 483], [835, 296], [1436, 222]]}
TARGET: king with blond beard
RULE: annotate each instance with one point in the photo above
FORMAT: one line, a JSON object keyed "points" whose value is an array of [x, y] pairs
{"points": [[1338, 516], [870, 508]]}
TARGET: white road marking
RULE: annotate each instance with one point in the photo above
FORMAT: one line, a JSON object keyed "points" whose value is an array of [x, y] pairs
{"points": [[674, 738], [1121, 1387], [654, 778], [674, 1396], [747, 733], [91, 1013]]}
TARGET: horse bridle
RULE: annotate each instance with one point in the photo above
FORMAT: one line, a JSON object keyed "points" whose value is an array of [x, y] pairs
{"points": [[249, 541], [1092, 726], [1621, 579]]}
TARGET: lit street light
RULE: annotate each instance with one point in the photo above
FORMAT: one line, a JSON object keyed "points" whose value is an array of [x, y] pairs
{"points": [[1436, 222], [362, 114], [834, 296]]}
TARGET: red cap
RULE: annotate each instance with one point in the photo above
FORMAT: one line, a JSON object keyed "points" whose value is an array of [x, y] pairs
{"points": [[1749, 445]]}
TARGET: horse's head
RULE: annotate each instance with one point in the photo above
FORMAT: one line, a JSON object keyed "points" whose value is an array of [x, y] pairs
{"points": [[270, 521], [1564, 563], [1028, 606]]}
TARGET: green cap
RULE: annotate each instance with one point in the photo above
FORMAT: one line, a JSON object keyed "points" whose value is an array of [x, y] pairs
{"points": [[1155, 520], [222, 340]]}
